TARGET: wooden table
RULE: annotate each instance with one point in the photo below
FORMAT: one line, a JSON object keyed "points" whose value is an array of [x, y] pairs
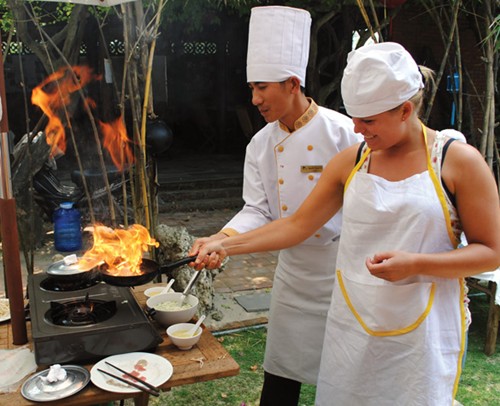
{"points": [[489, 286], [217, 363]]}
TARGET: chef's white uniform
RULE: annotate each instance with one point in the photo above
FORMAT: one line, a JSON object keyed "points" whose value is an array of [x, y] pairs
{"points": [[393, 343], [281, 168]]}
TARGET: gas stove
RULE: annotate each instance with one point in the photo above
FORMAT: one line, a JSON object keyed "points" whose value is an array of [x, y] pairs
{"points": [[87, 324]]}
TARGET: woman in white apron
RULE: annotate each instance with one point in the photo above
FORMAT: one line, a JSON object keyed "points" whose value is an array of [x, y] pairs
{"points": [[396, 325], [406, 335]]}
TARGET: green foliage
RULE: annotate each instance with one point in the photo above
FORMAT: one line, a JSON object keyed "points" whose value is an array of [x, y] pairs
{"points": [[495, 32], [48, 13], [6, 17], [480, 380], [195, 14]]}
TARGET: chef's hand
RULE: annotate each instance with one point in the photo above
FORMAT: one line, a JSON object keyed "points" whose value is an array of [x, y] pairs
{"points": [[391, 265], [210, 261]]}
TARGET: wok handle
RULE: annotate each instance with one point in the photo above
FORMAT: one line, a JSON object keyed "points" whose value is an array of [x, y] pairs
{"points": [[176, 264]]}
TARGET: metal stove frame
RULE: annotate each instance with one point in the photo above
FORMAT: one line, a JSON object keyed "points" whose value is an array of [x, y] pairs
{"points": [[129, 330]]}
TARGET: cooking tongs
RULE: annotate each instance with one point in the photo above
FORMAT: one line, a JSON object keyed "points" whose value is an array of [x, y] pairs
{"points": [[189, 286]]}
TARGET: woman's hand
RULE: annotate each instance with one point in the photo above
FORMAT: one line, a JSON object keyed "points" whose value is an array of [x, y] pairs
{"points": [[210, 252], [391, 266]]}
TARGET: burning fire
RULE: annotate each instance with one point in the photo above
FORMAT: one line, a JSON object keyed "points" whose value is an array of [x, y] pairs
{"points": [[116, 142], [55, 93], [120, 249]]}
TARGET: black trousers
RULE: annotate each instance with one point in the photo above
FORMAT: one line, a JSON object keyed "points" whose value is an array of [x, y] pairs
{"points": [[279, 391]]}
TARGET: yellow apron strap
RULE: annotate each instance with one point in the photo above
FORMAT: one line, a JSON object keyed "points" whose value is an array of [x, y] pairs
{"points": [[358, 165], [439, 191]]}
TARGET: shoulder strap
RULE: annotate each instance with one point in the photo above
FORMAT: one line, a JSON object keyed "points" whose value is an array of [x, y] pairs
{"points": [[443, 154], [360, 151], [445, 149]]}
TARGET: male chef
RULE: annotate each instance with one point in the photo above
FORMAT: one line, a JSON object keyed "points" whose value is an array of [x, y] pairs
{"points": [[283, 162]]}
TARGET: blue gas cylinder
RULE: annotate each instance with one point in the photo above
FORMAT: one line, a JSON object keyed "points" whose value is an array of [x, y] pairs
{"points": [[67, 228]]}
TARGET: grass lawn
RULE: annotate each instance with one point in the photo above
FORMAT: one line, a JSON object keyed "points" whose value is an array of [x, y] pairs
{"points": [[479, 385]]}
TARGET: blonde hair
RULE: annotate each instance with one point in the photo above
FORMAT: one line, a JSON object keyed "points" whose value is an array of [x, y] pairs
{"points": [[422, 96]]}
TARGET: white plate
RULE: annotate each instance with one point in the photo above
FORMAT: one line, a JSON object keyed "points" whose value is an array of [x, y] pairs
{"points": [[4, 316], [152, 368]]}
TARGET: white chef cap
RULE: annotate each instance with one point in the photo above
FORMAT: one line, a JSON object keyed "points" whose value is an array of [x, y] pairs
{"points": [[378, 78], [278, 44]]}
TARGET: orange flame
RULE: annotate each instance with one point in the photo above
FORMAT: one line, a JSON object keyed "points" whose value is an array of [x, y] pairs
{"points": [[53, 93], [117, 142], [120, 249]]}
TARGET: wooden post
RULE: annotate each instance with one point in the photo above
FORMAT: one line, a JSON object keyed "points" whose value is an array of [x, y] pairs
{"points": [[10, 236]]}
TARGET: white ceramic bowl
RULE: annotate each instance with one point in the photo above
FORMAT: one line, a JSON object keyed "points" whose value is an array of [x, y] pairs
{"points": [[156, 290], [169, 317], [183, 343]]}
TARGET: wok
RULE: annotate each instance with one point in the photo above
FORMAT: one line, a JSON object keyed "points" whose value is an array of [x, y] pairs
{"points": [[149, 270]]}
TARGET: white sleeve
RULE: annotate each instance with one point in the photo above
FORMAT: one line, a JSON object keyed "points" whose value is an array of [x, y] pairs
{"points": [[256, 211]]}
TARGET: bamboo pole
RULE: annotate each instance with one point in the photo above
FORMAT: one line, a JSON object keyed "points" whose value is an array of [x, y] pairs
{"points": [[93, 125], [377, 23], [444, 60], [145, 185], [460, 95], [362, 9], [28, 247], [487, 147], [122, 115]]}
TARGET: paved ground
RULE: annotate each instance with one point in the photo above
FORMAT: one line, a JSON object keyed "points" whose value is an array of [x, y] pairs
{"points": [[244, 272]]}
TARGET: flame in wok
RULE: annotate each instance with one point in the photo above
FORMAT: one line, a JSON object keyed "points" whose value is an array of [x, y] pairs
{"points": [[121, 250]]}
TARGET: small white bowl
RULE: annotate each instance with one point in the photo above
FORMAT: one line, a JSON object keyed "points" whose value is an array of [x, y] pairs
{"points": [[183, 343], [156, 290], [169, 317]]}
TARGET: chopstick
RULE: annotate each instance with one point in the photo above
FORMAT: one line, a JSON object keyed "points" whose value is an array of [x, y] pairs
{"points": [[142, 388], [154, 388]]}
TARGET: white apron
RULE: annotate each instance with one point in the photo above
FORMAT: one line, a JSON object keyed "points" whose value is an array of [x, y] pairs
{"points": [[300, 299], [392, 343]]}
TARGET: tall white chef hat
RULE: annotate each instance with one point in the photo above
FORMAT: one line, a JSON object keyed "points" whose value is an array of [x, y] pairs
{"points": [[378, 78], [278, 44]]}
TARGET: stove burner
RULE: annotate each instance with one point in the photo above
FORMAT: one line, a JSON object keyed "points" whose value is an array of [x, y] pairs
{"points": [[55, 285], [80, 312]]}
